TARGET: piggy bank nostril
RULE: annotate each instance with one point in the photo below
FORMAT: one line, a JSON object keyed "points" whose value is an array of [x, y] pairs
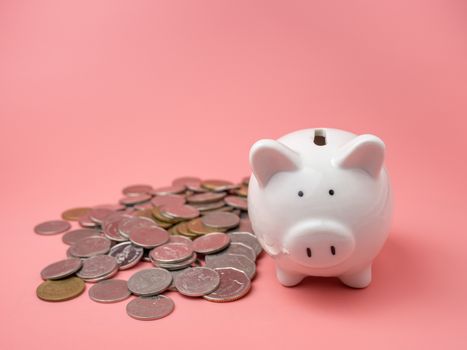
{"points": [[333, 250], [308, 252]]}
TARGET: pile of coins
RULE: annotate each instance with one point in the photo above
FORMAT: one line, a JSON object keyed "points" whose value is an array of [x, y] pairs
{"points": [[195, 235]]}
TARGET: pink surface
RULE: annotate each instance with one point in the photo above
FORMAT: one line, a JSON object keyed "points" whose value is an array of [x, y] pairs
{"points": [[97, 95]]}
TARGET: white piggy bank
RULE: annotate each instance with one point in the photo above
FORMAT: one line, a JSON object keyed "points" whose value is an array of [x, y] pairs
{"points": [[320, 204]]}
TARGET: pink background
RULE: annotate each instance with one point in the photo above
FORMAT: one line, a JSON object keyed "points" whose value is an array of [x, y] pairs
{"points": [[97, 95]]}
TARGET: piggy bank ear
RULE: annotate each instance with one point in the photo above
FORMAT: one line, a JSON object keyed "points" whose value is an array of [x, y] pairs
{"points": [[268, 157], [364, 152]]}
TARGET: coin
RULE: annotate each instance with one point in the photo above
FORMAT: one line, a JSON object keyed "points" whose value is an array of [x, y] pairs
{"points": [[112, 232], [237, 202], [98, 215], [75, 214], [132, 200], [52, 227], [73, 236], [126, 225], [196, 226], [85, 221], [211, 243], [234, 284], [180, 239], [220, 220], [97, 268], [168, 199], [177, 211], [149, 281], [206, 197], [61, 269], [244, 226], [248, 239], [197, 281], [240, 262], [217, 185], [240, 249], [150, 308], [109, 291], [174, 189], [126, 254], [149, 237], [60, 290], [90, 246], [175, 273], [208, 206], [176, 265], [135, 190], [171, 253], [186, 180]]}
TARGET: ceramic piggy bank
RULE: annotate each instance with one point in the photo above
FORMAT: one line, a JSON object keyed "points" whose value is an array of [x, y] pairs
{"points": [[320, 204]]}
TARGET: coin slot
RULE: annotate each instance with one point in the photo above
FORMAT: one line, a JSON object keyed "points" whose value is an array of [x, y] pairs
{"points": [[308, 252], [333, 250], [320, 137]]}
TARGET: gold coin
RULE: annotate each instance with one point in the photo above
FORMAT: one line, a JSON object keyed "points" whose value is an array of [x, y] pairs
{"points": [[75, 214], [147, 213], [159, 216], [242, 191], [217, 185], [60, 290], [196, 226]]}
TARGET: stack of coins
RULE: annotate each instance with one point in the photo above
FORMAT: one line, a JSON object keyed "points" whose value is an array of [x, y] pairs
{"points": [[194, 235]]}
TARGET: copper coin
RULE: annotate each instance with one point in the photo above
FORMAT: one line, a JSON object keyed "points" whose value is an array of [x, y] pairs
{"points": [[168, 199], [237, 202], [196, 226], [150, 281], [109, 291], [73, 236], [171, 253], [75, 214], [126, 254], [135, 190], [60, 290], [90, 246], [174, 189], [206, 197], [240, 262], [234, 284], [185, 212], [197, 281], [150, 308], [132, 200], [222, 220], [52, 227], [149, 237], [61, 269], [217, 185], [211, 243], [97, 268]]}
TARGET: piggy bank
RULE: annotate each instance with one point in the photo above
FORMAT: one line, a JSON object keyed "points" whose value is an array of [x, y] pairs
{"points": [[320, 204]]}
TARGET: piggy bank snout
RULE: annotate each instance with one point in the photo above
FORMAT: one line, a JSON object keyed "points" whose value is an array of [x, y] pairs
{"points": [[319, 244]]}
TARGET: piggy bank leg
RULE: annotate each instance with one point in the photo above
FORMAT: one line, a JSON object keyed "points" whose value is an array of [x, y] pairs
{"points": [[287, 278], [360, 279]]}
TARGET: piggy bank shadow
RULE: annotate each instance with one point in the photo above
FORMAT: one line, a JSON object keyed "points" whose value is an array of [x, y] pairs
{"points": [[396, 279]]}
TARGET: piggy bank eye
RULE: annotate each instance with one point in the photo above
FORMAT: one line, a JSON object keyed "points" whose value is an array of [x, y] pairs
{"points": [[300, 193], [331, 192]]}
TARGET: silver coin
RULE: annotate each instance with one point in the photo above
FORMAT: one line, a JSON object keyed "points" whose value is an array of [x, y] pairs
{"points": [[98, 215], [135, 190], [150, 281], [52, 227], [236, 202], [240, 262], [178, 265], [126, 225], [112, 232], [163, 191], [234, 284], [149, 237], [97, 268], [240, 249], [197, 281], [179, 211], [211, 243], [220, 220], [181, 239], [186, 180], [132, 200], [248, 239], [71, 237], [90, 246], [168, 200], [61, 269], [109, 291], [126, 254], [175, 273], [206, 197], [86, 222], [150, 308], [171, 253]]}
